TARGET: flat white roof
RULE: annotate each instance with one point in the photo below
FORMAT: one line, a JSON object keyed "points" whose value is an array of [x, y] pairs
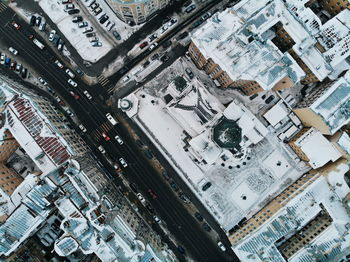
{"points": [[276, 114]]}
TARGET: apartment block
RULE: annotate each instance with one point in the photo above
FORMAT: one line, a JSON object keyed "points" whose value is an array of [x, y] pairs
{"points": [[327, 107], [306, 222], [272, 45], [136, 12]]}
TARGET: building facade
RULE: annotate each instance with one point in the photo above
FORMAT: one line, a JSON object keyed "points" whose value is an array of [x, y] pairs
{"points": [[136, 11]]}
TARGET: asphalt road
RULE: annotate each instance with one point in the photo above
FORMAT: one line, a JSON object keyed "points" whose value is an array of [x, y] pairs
{"points": [[92, 114]]}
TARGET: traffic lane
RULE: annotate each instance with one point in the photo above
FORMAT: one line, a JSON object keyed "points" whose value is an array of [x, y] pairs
{"points": [[178, 220]]}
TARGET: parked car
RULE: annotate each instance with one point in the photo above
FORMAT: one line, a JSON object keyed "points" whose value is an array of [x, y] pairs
{"points": [[269, 99], [82, 128], [103, 19], [73, 11], [155, 57], [13, 51], [66, 1], [13, 65], [18, 68], [116, 35], [77, 19], [182, 35], [52, 35], [42, 81], [174, 186], [90, 35], [38, 21], [141, 198], [32, 20], [163, 29], [206, 227], [189, 73], [42, 26], [68, 7], [198, 216], [88, 30], [97, 11], [24, 72], [96, 44], [93, 39], [150, 208], [157, 220], [72, 83], [172, 21], [83, 24], [190, 8], [153, 46], [206, 186], [153, 37], [60, 44], [94, 5], [59, 64], [164, 58]]}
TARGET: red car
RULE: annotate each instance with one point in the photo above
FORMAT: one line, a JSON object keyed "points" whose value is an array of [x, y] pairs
{"points": [[15, 25], [107, 138], [76, 97], [152, 194], [143, 45]]}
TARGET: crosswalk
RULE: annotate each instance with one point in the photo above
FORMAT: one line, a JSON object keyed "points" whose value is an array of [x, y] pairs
{"points": [[3, 7], [105, 83], [104, 128]]}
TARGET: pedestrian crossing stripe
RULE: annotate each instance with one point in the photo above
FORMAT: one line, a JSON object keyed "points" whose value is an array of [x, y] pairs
{"points": [[3, 7], [97, 133], [110, 90]]}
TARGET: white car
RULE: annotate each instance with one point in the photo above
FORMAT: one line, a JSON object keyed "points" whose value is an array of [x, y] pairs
{"points": [[2, 59], [42, 81], [140, 197], [72, 83], [111, 119], [52, 35], [70, 73], [119, 140], [87, 94], [221, 246], [153, 46], [13, 51], [164, 28], [126, 79], [102, 150], [59, 64], [157, 219], [82, 128], [123, 162]]}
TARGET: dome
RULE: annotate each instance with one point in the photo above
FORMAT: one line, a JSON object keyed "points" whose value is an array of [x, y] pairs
{"points": [[227, 134], [125, 104]]}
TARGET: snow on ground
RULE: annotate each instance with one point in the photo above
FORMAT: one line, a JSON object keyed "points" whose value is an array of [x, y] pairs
{"points": [[75, 36], [236, 191]]}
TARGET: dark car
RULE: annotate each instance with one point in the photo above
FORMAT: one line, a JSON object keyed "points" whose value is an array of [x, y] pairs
{"points": [[187, 3], [149, 208], [152, 193], [103, 19], [32, 20], [133, 187], [143, 45], [145, 64], [123, 70], [164, 58], [269, 99], [73, 11], [116, 35], [181, 249], [24, 72], [252, 97], [206, 186], [198, 217], [165, 174], [155, 57], [174, 186], [167, 44], [189, 73], [90, 34], [182, 35], [206, 227], [77, 19], [190, 8]]}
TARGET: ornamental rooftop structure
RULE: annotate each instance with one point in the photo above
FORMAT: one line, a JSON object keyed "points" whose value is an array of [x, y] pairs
{"points": [[263, 45], [309, 221]]}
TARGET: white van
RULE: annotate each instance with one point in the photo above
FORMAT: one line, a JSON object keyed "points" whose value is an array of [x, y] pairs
{"points": [[111, 119], [70, 73]]}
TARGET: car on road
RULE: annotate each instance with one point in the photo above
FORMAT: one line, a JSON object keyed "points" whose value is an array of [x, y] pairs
{"points": [[153, 37], [153, 46], [72, 83], [157, 220], [96, 44], [269, 99], [70, 73], [190, 8], [143, 45], [24, 72], [116, 35], [82, 128], [101, 149], [221, 246], [15, 25], [123, 162], [32, 20], [189, 73], [198, 216], [206, 227], [206, 186], [117, 167], [13, 51], [73, 11], [119, 140], [105, 136], [152, 193], [76, 97], [42, 81], [52, 35], [87, 94], [60, 44], [141, 198], [59, 64], [111, 119], [83, 24], [2, 58], [181, 249], [70, 113], [77, 19]]}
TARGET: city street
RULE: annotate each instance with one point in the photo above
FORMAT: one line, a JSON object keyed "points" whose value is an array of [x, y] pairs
{"points": [[92, 114]]}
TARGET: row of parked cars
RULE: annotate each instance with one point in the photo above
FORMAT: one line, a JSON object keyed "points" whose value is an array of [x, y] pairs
{"points": [[12, 64]]}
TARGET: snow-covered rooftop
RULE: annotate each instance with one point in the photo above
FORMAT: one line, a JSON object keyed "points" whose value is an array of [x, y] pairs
{"points": [[317, 148], [260, 245], [276, 114], [239, 41]]}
